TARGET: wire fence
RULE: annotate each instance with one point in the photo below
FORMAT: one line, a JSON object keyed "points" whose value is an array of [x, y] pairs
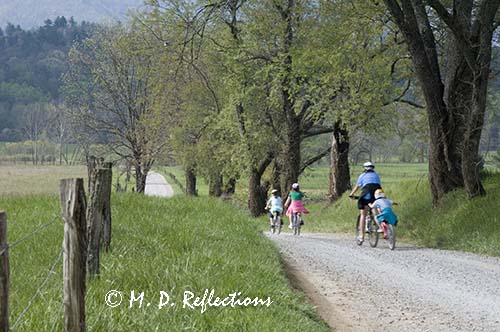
{"points": [[79, 239], [31, 234], [49, 274], [38, 291]]}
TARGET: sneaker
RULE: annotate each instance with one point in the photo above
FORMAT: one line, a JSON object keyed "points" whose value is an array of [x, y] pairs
{"points": [[290, 226], [360, 239], [380, 230]]}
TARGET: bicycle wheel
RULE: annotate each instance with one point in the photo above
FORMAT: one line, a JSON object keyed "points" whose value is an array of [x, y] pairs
{"points": [[299, 222], [358, 232], [278, 224], [372, 231], [295, 224], [391, 236]]}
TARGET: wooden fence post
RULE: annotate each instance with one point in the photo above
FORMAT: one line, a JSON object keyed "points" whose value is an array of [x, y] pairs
{"points": [[4, 274], [98, 215], [106, 204], [94, 221], [73, 206]]}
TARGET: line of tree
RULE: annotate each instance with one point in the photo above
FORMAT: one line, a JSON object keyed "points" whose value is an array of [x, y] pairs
{"points": [[245, 85], [258, 80]]}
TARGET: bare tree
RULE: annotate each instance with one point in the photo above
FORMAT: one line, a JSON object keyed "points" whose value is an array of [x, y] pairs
{"points": [[36, 120], [113, 100]]}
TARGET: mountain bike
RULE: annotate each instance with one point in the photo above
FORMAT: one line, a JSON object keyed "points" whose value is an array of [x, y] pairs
{"points": [[297, 222], [276, 223], [371, 228]]}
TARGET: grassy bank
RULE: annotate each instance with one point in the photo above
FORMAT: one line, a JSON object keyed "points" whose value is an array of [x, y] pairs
{"points": [[174, 245]]}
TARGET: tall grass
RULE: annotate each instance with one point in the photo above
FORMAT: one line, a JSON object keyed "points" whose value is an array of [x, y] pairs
{"points": [[173, 245]]}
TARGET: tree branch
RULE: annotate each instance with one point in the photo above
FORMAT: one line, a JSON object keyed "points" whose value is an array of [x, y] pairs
{"points": [[409, 102], [263, 165], [317, 130], [314, 159]]}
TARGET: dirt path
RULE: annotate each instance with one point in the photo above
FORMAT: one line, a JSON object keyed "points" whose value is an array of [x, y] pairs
{"points": [[409, 289], [156, 185]]}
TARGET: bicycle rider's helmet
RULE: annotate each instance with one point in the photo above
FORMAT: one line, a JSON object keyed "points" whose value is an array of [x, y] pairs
{"points": [[295, 186], [368, 166], [274, 191], [379, 193]]}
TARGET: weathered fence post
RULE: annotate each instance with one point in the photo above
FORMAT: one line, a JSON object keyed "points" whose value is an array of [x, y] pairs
{"points": [[4, 274], [94, 220], [98, 214], [73, 206], [106, 205]]}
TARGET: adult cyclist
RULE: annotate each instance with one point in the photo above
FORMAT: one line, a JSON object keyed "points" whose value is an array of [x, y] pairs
{"points": [[368, 182]]}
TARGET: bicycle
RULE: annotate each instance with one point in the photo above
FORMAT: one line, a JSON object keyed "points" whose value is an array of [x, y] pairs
{"points": [[276, 224], [371, 228], [297, 222], [390, 231]]}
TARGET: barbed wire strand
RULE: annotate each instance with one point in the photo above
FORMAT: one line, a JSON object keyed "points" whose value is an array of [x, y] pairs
{"points": [[38, 291], [27, 236]]}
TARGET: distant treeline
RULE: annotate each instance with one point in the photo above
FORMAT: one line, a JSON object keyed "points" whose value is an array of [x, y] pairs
{"points": [[31, 65]]}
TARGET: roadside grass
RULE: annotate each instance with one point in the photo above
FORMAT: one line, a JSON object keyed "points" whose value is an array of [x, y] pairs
{"points": [[173, 245]]}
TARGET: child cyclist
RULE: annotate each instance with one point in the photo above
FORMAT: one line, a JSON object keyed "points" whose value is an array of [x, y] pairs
{"points": [[383, 210], [274, 205], [294, 203]]}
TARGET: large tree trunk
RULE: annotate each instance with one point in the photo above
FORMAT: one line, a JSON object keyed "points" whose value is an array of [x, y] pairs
{"points": [[257, 192], [191, 182], [230, 187], [475, 120], [340, 178], [456, 107], [215, 185], [276, 175], [291, 154], [140, 178]]}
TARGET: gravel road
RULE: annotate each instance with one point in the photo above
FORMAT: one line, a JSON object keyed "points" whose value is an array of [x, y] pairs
{"points": [[156, 185], [409, 289]]}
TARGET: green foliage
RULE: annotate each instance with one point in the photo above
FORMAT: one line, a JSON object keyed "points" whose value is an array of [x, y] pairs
{"points": [[173, 245]]}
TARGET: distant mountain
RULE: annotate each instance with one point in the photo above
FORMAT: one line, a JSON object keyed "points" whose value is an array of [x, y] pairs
{"points": [[32, 13]]}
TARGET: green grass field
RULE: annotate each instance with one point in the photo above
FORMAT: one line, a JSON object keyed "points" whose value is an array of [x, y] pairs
{"points": [[177, 245]]}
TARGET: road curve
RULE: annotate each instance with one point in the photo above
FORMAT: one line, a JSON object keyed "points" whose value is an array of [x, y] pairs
{"points": [[156, 185], [409, 289]]}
